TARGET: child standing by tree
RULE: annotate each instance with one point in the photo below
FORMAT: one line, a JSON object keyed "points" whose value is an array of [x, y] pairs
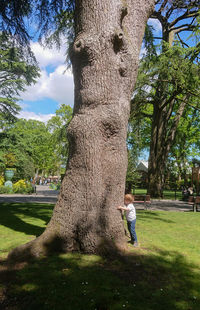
{"points": [[130, 217]]}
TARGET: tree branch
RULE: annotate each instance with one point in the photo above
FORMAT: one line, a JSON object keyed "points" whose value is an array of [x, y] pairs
{"points": [[187, 14], [171, 98], [157, 15], [146, 114], [163, 6], [182, 42], [183, 27], [170, 110], [157, 38], [169, 12], [198, 109]]}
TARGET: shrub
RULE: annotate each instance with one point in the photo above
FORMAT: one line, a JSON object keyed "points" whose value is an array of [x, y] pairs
{"points": [[180, 183], [58, 186], [55, 186], [2, 181], [22, 187], [5, 190]]}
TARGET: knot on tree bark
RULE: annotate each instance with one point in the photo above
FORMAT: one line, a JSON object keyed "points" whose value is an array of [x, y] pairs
{"points": [[79, 45], [118, 41], [123, 71], [124, 12]]}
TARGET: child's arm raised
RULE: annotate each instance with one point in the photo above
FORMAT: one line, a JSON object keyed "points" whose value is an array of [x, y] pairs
{"points": [[122, 208]]}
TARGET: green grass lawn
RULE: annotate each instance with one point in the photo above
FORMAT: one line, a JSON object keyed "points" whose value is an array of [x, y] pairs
{"points": [[167, 194], [20, 223], [162, 274]]}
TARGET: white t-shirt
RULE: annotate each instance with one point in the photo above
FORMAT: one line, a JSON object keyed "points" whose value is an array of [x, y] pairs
{"points": [[130, 213]]}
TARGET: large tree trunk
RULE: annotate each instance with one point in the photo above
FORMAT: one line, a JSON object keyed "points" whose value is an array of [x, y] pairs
{"points": [[155, 165], [105, 58]]}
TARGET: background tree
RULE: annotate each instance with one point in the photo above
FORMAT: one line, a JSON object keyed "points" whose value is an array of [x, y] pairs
{"points": [[16, 72], [30, 142], [38, 148], [58, 125], [186, 142], [168, 81], [138, 138], [33, 137], [10, 143]]}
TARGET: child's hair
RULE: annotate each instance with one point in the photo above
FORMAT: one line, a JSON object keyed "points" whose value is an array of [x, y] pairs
{"points": [[129, 197]]}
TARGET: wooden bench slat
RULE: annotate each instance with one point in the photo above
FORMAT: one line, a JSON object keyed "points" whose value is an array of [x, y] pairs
{"points": [[194, 202], [145, 199]]}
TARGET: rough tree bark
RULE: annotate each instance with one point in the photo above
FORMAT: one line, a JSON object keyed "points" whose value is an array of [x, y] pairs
{"points": [[108, 37]]}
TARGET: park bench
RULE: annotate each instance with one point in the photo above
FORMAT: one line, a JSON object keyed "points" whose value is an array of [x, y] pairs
{"points": [[144, 199], [194, 202]]}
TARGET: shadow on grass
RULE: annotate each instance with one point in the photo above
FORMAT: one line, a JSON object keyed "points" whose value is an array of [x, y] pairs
{"points": [[11, 215], [148, 215], [158, 281], [15, 216]]}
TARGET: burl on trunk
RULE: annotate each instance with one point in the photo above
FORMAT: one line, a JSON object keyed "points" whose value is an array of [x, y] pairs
{"points": [[105, 53]]}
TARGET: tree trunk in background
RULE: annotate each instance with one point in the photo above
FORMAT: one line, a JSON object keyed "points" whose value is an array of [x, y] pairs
{"points": [[162, 139], [167, 106], [105, 57]]}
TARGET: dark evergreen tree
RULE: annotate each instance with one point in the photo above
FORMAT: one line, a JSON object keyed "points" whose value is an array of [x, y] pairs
{"points": [[16, 72]]}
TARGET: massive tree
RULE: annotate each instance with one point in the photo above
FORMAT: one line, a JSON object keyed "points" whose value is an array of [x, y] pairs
{"points": [[105, 53]]}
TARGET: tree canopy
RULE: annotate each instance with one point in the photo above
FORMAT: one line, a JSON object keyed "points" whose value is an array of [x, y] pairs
{"points": [[51, 18], [16, 72], [34, 146], [57, 126]]}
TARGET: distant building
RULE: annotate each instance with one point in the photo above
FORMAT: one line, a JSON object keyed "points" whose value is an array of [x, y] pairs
{"points": [[142, 166], [142, 169]]}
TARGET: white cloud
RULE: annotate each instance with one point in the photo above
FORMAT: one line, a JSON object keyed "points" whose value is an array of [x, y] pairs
{"points": [[57, 85], [31, 115], [61, 86], [156, 24], [46, 56], [23, 105]]}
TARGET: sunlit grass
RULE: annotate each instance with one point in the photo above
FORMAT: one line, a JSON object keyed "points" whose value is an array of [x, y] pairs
{"points": [[167, 194], [20, 223], [171, 231], [162, 274]]}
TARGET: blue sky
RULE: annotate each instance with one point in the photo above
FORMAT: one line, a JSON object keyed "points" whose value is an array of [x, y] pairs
{"points": [[55, 85], [53, 88]]}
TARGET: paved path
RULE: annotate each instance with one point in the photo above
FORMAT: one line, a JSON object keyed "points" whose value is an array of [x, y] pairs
{"points": [[46, 195], [43, 195], [168, 205]]}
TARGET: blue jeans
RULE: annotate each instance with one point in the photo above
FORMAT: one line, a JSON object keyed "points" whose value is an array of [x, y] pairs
{"points": [[131, 228]]}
